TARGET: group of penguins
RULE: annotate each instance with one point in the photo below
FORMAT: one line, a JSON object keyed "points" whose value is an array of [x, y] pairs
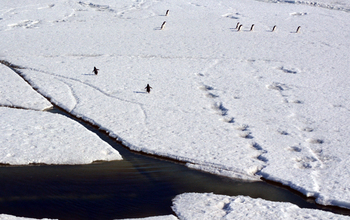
{"points": [[238, 27], [148, 87]]}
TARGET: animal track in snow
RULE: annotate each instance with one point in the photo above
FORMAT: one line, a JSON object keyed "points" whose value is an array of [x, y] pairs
{"points": [[282, 132], [314, 141], [24, 24], [277, 86], [334, 6], [261, 151], [285, 92], [49, 6], [294, 149], [242, 127], [228, 119], [231, 15], [245, 134], [297, 13], [211, 95], [195, 4], [306, 162], [289, 70], [206, 88], [96, 6], [307, 129], [218, 106], [243, 131]]}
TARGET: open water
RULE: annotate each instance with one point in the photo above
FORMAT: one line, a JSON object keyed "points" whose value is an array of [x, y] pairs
{"points": [[138, 186]]}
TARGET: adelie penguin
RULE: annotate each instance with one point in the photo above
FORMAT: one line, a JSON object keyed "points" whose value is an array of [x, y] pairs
{"points": [[148, 88], [274, 28], [237, 25], [95, 70], [163, 25]]}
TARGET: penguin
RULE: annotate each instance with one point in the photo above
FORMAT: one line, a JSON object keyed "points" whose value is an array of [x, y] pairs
{"points": [[298, 29], [167, 13], [239, 27], [251, 28], [163, 25], [148, 88], [274, 28], [95, 70]]}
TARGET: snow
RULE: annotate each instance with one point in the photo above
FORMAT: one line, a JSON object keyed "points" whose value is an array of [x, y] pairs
{"points": [[163, 217], [241, 104], [341, 5], [11, 217], [210, 206], [40, 137], [14, 92]]}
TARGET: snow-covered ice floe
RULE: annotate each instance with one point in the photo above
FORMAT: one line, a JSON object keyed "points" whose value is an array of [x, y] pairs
{"points": [[11, 217], [248, 103], [15, 92], [207, 206], [33, 137], [162, 217]]}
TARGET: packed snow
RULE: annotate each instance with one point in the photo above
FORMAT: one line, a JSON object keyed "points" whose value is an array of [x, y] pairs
{"points": [[245, 104], [14, 92], [163, 217], [209, 206], [34, 137], [11, 217]]}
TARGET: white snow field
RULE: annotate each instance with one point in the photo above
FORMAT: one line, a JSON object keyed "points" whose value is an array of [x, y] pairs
{"points": [[40, 137], [11, 217], [207, 206], [245, 104], [14, 92], [162, 217]]}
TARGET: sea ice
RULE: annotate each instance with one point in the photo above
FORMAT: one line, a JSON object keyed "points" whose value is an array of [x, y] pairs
{"points": [[11, 217], [209, 206], [244, 104], [34, 137], [15, 92]]}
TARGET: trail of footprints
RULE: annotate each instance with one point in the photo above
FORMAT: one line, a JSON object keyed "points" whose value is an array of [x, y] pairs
{"points": [[312, 156], [242, 129], [306, 154]]}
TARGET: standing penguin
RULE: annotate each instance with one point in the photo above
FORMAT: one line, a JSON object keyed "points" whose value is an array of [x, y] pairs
{"points": [[274, 28], [95, 70], [148, 88]]}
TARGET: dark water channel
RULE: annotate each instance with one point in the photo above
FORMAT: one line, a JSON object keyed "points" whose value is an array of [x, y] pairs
{"points": [[138, 186]]}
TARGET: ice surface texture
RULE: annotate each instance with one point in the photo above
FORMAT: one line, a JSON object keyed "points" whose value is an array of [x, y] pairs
{"points": [[242, 104]]}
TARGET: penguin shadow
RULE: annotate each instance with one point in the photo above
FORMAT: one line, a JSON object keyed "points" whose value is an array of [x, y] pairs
{"points": [[157, 29], [139, 92], [88, 74]]}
